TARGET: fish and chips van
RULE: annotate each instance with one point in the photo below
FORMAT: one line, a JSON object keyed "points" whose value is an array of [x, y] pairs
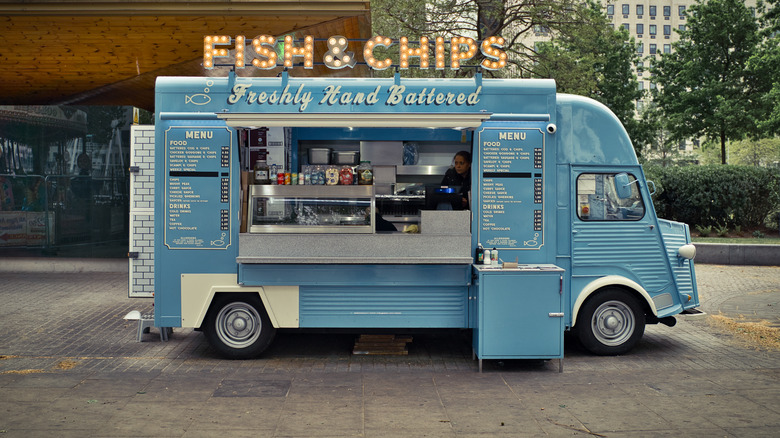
{"points": [[557, 196]]}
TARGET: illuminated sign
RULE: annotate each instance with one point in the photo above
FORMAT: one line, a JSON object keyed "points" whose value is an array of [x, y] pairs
{"points": [[260, 52]]}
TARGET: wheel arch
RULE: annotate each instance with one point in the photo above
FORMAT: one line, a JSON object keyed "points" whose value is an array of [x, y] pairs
{"points": [[612, 281], [199, 290]]}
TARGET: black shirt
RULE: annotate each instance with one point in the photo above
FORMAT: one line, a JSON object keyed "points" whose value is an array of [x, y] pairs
{"points": [[453, 178]]}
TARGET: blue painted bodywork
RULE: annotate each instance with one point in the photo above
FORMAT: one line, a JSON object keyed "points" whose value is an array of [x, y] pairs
{"points": [[589, 138]]}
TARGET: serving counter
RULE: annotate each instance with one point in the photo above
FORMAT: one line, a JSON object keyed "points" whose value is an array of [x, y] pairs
{"points": [[445, 238]]}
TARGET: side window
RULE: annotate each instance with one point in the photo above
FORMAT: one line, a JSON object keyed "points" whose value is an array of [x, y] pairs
{"points": [[597, 199]]}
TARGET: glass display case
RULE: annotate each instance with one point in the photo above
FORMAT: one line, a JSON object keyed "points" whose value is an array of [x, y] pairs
{"points": [[311, 209]]}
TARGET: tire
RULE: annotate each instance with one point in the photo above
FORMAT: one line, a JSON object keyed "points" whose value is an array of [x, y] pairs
{"points": [[237, 326], [610, 323]]}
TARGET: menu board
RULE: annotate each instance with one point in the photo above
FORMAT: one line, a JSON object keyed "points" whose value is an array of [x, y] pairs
{"points": [[197, 187], [511, 188]]}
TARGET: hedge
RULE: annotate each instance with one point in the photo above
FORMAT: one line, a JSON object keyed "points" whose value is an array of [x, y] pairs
{"points": [[717, 195]]}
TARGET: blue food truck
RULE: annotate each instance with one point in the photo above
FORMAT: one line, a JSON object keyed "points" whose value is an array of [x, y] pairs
{"points": [[555, 190]]}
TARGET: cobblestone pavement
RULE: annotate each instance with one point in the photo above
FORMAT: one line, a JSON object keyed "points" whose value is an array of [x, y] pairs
{"points": [[71, 366]]}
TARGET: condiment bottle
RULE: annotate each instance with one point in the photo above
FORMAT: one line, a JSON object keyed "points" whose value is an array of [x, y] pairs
{"points": [[486, 257], [365, 174]]}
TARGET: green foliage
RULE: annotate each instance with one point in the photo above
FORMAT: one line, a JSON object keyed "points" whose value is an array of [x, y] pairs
{"points": [[762, 65], [758, 234], [704, 231], [479, 19], [590, 58], [714, 195], [706, 86], [722, 230]]}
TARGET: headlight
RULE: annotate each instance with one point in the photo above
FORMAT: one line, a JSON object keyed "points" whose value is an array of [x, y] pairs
{"points": [[687, 252]]}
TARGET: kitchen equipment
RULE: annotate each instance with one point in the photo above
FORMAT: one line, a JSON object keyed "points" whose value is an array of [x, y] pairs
{"points": [[319, 155], [344, 157]]}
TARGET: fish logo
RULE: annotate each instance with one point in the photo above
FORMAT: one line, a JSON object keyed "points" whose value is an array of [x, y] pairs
{"points": [[197, 99]]}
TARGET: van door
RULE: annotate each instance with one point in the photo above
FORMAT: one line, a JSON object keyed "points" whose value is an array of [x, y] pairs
{"points": [[615, 233]]}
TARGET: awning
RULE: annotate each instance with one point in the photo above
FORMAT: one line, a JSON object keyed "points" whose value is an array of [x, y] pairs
{"points": [[356, 120]]}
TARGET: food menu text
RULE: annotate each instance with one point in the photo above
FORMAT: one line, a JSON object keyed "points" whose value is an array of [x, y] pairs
{"points": [[511, 188], [197, 190]]}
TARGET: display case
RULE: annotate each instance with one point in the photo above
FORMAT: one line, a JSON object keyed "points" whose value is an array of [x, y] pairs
{"points": [[311, 209]]}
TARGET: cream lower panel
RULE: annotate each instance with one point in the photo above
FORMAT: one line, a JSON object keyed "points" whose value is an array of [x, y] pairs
{"points": [[198, 290]]}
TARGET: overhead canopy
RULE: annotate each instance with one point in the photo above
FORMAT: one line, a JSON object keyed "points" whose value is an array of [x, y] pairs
{"points": [[109, 52], [356, 120]]}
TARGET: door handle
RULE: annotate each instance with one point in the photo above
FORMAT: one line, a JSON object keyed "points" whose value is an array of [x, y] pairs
{"points": [[556, 315]]}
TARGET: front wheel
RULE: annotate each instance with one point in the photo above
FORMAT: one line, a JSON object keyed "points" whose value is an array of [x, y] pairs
{"points": [[237, 326], [610, 323]]}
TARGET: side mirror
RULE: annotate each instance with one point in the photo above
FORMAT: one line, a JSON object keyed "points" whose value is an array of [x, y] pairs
{"points": [[622, 185]]}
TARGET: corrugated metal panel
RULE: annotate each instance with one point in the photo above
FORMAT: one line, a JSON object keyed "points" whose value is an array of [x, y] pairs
{"points": [[630, 246], [675, 235], [387, 307]]}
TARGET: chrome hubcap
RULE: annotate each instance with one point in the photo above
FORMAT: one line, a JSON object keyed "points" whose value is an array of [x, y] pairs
{"points": [[613, 323], [238, 325]]}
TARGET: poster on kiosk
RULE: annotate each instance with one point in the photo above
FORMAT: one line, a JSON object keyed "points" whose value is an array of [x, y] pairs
{"points": [[554, 192]]}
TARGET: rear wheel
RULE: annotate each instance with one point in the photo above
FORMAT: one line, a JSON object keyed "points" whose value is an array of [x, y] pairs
{"points": [[237, 326], [611, 322]]}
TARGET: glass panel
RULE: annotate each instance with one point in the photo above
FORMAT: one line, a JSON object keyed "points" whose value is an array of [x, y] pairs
{"points": [[597, 199], [310, 209]]}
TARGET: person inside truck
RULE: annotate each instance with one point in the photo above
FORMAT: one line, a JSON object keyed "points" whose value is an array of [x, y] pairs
{"points": [[460, 175]]}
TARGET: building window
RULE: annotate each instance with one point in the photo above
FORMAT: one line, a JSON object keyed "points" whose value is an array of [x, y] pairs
{"points": [[653, 49], [653, 28], [681, 28], [640, 48], [540, 30], [627, 27], [667, 48], [667, 30], [626, 9], [610, 9], [681, 10], [652, 85], [667, 12], [640, 28], [652, 12], [641, 85], [640, 10]]}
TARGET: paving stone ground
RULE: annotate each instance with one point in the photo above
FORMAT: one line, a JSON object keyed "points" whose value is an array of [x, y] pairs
{"points": [[71, 366]]}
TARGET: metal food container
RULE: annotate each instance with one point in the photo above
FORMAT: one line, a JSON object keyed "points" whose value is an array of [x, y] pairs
{"points": [[345, 157], [319, 155]]}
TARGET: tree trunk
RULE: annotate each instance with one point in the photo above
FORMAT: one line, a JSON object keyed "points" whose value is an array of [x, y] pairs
{"points": [[723, 146]]}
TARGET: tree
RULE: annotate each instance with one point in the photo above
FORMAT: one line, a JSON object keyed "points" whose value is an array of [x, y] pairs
{"points": [[706, 88], [585, 56], [514, 20], [764, 66], [657, 135], [590, 58], [762, 152]]}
